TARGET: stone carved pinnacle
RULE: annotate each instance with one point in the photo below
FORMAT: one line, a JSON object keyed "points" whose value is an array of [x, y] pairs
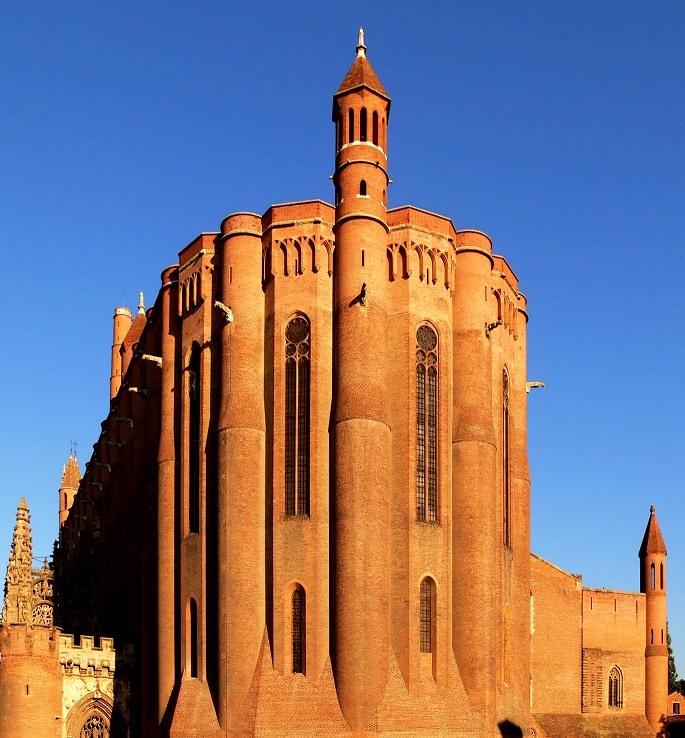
{"points": [[19, 579], [361, 49]]}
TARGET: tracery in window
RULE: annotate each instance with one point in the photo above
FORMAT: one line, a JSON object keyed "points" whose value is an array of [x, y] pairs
{"points": [[615, 687], [297, 373], [506, 480], [426, 424], [42, 614], [298, 630], [95, 727], [427, 616]]}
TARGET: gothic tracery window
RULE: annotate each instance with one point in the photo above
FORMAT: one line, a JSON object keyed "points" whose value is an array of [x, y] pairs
{"points": [[94, 727], [426, 424], [615, 688], [42, 614], [297, 371]]}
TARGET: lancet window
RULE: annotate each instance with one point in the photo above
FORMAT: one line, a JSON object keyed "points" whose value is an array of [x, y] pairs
{"points": [[615, 688], [426, 424], [297, 374], [427, 616], [298, 630], [506, 478], [194, 441]]}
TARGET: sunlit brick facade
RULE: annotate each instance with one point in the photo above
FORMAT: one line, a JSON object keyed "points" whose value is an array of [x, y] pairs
{"points": [[308, 511]]}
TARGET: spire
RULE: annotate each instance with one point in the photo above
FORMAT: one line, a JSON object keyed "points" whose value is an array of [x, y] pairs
{"points": [[361, 74], [71, 474], [653, 541], [19, 579], [141, 304], [361, 49]]}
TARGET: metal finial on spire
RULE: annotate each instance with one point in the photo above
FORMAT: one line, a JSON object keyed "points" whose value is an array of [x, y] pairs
{"points": [[361, 49], [652, 509], [141, 304]]}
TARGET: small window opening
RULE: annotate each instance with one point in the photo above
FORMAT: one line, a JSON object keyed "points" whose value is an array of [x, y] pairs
{"points": [[614, 605], [340, 132], [662, 635], [337, 196], [362, 125], [297, 269], [591, 603], [27, 690], [375, 128], [230, 275], [676, 708], [298, 613], [193, 637], [653, 576], [350, 126], [661, 575], [362, 187], [362, 257], [652, 635], [615, 688]]}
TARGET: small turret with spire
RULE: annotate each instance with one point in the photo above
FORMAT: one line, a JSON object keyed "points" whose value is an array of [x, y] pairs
{"points": [[19, 579], [653, 584], [71, 477]]}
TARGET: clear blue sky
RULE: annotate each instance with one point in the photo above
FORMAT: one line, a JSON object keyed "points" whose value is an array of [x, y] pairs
{"points": [[556, 127]]}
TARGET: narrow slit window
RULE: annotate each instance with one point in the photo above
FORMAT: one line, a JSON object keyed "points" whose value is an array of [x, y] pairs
{"points": [[297, 420], [362, 257], [194, 441], [653, 576], [362, 187], [427, 616], [192, 626], [506, 480], [426, 424], [298, 613], [661, 575], [350, 126], [375, 128], [362, 125]]}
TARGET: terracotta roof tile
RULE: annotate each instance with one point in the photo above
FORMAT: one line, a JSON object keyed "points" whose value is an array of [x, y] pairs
{"points": [[361, 74], [653, 542]]}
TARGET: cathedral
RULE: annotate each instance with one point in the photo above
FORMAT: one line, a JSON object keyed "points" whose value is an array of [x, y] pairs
{"points": [[308, 509]]}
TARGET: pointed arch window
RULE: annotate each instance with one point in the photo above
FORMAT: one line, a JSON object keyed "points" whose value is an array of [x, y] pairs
{"points": [[299, 619], [506, 479], [194, 441], [653, 576], [426, 424], [297, 373], [427, 615], [615, 687]]}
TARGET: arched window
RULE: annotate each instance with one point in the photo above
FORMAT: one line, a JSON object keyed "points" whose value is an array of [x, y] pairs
{"points": [[427, 616], [362, 187], [194, 441], [506, 481], [426, 424], [297, 364], [192, 636], [95, 726], [299, 620], [653, 576], [362, 125], [375, 128], [615, 687], [350, 126], [661, 575]]}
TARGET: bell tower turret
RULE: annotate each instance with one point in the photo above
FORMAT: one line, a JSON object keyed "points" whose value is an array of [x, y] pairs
{"points": [[653, 583], [361, 435]]}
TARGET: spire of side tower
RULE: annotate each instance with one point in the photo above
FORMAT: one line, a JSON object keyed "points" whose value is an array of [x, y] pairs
{"points": [[653, 583], [71, 477], [19, 579]]}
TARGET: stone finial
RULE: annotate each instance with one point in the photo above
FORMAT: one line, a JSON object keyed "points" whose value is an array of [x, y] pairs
{"points": [[141, 304], [361, 49], [19, 579], [652, 509]]}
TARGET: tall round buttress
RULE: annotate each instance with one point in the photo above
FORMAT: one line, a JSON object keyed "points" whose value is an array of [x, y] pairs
{"points": [[123, 319], [166, 526], [241, 449], [653, 583], [474, 496], [361, 438]]}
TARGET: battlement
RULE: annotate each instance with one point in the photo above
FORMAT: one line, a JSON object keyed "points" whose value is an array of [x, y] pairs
{"points": [[87, 658], [30, 640]]}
